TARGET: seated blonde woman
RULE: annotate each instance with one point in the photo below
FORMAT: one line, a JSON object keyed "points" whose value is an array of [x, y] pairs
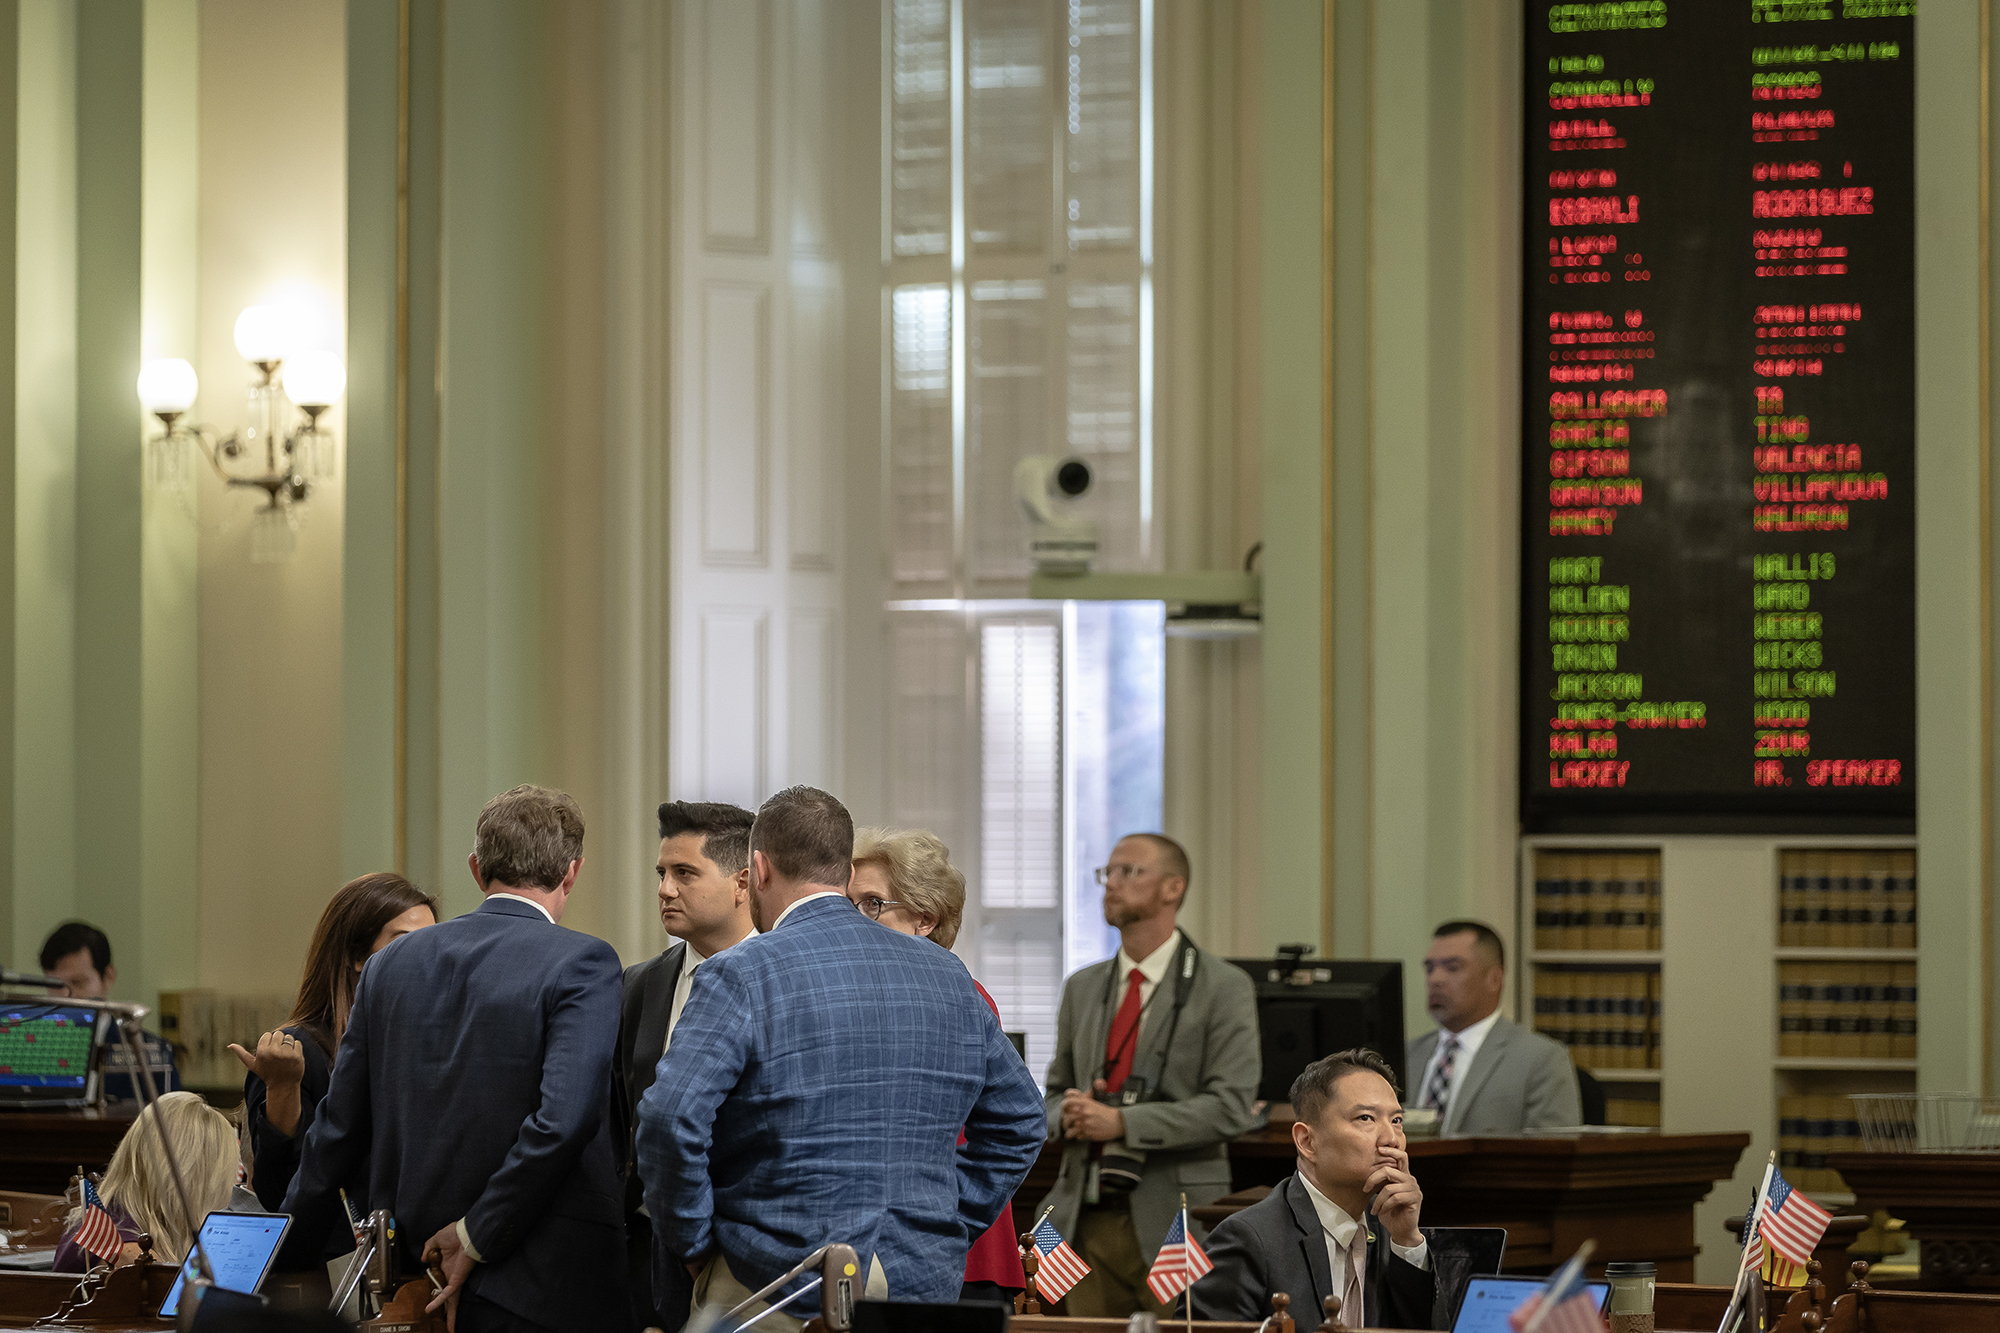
{"points": [[138, 1188], [905, 880]]}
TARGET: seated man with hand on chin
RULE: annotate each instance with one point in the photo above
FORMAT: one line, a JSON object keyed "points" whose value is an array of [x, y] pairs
{"points": [[1320, 1233]]}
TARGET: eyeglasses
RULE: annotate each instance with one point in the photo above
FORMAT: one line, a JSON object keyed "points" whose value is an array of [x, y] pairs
{"points": [[1106, 874], [873, 906]]}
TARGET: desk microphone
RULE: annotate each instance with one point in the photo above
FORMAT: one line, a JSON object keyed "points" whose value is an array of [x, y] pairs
{"points": [[838, 1267], [836, 1289], [11, 978]]}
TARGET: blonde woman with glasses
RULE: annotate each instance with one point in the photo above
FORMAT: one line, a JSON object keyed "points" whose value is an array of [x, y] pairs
{"points": [[905, 880]]}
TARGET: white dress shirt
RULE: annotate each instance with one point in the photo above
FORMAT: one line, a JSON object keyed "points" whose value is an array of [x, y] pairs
{"points": [[1469, 1042], [515, 897], [823, 893], [689, 962], [1340, 1229], [1152, 971]]}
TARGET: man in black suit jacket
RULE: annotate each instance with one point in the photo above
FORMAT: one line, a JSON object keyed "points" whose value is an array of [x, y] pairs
{"points": [[1304, 1237], [704, 870], [472, 1087]]}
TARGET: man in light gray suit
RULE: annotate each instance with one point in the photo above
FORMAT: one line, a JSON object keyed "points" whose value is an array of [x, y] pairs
{"points": [[1156, 1065], [1479, 1072]]}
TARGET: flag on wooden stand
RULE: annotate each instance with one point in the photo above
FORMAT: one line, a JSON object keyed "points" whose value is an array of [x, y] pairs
{"points": [[1059, 1267], [1778, 1239], [98, 1233], [1180, 1263], [1788, 1224]]}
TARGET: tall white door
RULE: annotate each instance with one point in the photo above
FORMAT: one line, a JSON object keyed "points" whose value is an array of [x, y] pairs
{"points": [[754, 291]]}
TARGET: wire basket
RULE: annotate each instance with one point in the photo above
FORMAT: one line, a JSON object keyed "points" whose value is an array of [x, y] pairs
{"points": [[1928, 1122]]}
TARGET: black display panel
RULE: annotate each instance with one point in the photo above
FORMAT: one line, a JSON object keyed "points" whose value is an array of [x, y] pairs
{"points": [[1719, 417]]}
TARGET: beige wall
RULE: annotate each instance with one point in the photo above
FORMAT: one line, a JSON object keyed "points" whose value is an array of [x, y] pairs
{"points": [[273, 222], [1208, 424], [612, 901]]}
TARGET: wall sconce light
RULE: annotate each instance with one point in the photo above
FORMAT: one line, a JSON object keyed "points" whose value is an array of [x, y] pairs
{"points": [[296, 452]]}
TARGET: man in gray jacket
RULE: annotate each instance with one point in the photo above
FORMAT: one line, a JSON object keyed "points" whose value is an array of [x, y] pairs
{"points": [[1155, 1069], [1479, 1072]]}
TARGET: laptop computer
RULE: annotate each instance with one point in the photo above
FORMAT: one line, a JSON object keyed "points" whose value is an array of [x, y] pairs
{"points": [[241, 1248], [1489, 1300]]}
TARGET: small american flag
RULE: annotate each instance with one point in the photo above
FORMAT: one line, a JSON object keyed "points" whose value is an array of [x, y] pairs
{"points": [[1059, 1267], [1578, 1314], [1787, 1222], [98, 1233], [1570, 1306], [1180, 1262]]}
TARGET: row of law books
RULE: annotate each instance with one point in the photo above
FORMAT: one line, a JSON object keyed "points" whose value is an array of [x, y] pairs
{"points": [[1608, 1017], [1632, 1104], [1810, 1127], [1597, 900], [200, 1024], [1847, 899], [1862, 1011]]}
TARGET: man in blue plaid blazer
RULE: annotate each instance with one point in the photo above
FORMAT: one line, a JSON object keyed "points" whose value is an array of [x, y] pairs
{"points": [[816, 1085]]}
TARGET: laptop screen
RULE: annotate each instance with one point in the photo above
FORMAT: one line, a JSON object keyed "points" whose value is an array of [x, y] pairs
{"points": [[241, 1247], [1489, 1300], [46, 1048]]}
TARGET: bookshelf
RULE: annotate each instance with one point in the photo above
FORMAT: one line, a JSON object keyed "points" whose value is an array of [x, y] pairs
{"points": [[1728, 928], [1593, 920], [1847, 997]]}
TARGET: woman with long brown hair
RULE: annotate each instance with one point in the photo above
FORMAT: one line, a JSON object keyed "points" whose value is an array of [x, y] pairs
{"points": [[290, 1069]]}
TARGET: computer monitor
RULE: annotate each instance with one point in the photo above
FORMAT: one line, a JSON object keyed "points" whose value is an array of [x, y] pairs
{"points": [[240, 1247], [48, 1054], [918, 1317], [1307, 1009]]}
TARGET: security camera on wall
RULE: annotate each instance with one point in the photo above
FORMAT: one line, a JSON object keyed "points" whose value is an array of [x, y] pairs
{"points": [[1059, 540]]}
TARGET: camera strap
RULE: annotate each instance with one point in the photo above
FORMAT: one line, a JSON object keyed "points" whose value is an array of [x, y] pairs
{"points": [[1148, 1077]]}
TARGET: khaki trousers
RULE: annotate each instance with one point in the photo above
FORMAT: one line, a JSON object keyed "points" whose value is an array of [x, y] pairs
{"points": [[1115, 1287], [718, 1287]]}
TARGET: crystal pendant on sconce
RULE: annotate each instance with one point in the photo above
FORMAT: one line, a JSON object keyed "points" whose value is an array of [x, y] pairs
{"points": [[274, 535], [262, 425], [316, 453], [169, 463]]}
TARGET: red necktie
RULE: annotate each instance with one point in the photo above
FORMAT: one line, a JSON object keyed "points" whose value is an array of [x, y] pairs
{"points": [[1121, 1045]]}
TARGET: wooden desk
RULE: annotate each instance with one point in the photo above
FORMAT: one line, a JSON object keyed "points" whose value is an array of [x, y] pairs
{"points": [[1948, 1201], [41, 1150], [124, 1304], [1635, 1193], [33, 1219]]}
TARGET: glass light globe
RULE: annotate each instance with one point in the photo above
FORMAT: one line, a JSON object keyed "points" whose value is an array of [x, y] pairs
{"points": [[314, 379], [262, 333], [167, 385]]}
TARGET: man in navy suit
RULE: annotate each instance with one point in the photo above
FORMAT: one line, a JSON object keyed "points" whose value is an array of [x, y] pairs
{"points": [[472, 1087], [815, 1088]]}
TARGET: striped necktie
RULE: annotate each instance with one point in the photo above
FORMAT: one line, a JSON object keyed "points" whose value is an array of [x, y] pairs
{"points": [[1351, 1312], [1440, 1090]]}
